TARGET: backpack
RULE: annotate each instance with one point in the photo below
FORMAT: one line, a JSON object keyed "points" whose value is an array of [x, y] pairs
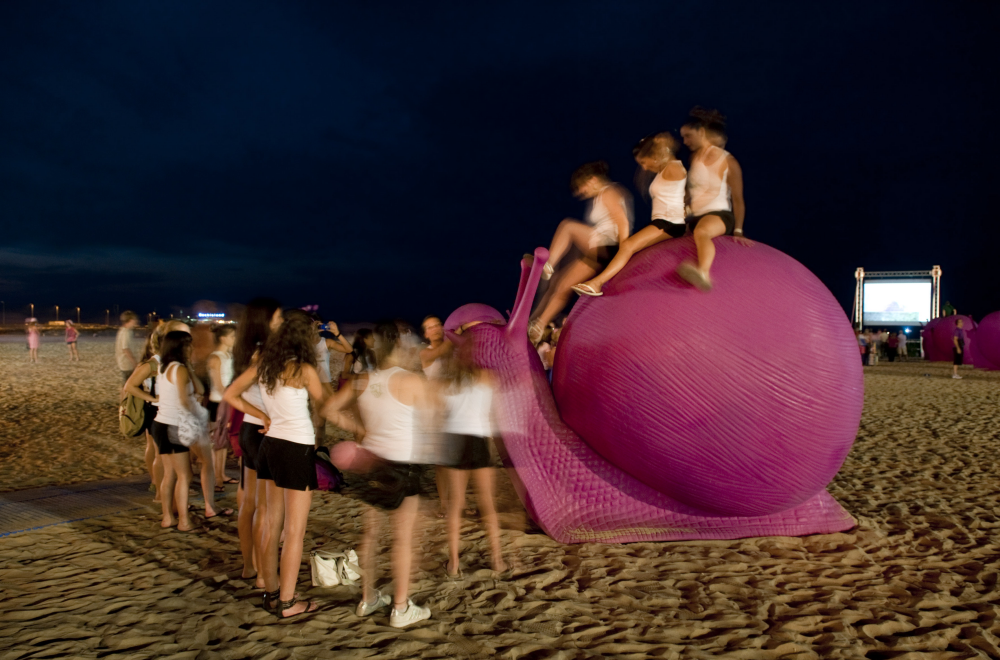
{"points": [[328, 477], [132, 413]]}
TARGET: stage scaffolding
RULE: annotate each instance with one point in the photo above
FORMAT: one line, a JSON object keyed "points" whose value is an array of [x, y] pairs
{"points": [[934, 275]]}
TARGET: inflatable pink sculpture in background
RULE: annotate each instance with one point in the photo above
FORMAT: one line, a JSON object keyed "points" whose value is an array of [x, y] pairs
{"points": [[986, 349], [938, 337], [681, 415]]}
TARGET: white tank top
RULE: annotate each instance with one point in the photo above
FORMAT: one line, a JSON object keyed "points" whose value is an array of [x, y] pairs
{"points": [[433, 370], [467, 411], [323, 361], [598, 217], [226, 372], [252, 395], [709, 185], [169, 410], [148, 383], [668, 198], [389, 423], [288, 408]]}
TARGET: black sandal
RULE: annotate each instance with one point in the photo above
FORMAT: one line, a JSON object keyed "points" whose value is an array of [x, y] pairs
{"points": [[289, 604], [270, 600]]}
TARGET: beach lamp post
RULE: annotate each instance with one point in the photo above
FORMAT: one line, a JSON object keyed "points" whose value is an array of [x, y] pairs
{"points": [[32, 309], [4, 321], [78, 315], [107, 317], [57, 312]]}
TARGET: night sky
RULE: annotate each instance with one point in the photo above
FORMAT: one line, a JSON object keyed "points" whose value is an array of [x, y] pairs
{"points": [[396, 159]]}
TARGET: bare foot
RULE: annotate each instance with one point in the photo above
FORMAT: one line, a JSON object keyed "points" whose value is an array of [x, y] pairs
{"points": [[166, 523], [453, 568], [500, 566]]}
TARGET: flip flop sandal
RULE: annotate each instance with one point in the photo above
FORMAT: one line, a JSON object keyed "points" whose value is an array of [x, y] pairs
{"points": [[283, 605], [231, 480], [586, 290], [535, 332], [690, 273], [548, 271], [224, 513], [220, 489]]}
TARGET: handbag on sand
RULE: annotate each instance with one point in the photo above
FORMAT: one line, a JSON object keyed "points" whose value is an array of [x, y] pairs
{"points": [[330, 569]]}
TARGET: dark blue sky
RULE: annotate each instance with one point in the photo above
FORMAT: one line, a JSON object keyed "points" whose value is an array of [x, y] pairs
{"points": [[397, 158]]}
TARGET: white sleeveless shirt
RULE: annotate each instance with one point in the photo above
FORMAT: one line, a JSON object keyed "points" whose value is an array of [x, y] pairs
{"points": [[668, 198], [288, 408], [467, 411], [148, 383], [323, 361], [226, 372], [389, 424], [169, 410], [252, 396], [598, 217], [709, 185]]}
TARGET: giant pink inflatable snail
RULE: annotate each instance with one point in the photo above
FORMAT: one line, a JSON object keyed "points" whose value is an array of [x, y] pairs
{"points": [[676, 414]]}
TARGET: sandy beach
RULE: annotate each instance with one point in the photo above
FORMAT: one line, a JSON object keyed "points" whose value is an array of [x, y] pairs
{"points": [[916, 579]]}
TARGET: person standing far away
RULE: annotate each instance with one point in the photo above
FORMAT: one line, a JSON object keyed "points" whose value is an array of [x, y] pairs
{"points": [[901, 345], [124, 348], [432, 358], [71, 336], [948, 309], [862, 346], [959, 340], [33, 339], [891, 345]]}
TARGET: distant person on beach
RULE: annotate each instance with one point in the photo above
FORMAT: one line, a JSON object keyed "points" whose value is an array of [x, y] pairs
{"points": [[656, 154], [432, 357], [220, 375], [285, 372], [901, 345], [124, 345], [948, 309], [260, 318], [891, 345], [467, 393], [330, 339], [959, 339], [863, 346], [608, 222], [361, 359], [31, 329], [389, 399], [71, 336]]}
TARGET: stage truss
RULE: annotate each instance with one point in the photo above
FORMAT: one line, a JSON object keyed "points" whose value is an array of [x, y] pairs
{"points": [[934, 275]]}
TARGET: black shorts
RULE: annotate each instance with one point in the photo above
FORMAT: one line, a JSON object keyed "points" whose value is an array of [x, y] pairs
{"points": [[288, 464], [388, 484], [604, 254], [213, 409], [672, 229], [165, 437], [469, 452], [148, 415], [250, 439], [727, 218], [958, 355]]}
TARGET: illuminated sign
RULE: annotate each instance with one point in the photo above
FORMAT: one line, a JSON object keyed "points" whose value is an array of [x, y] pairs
{"points": [[211, 315]]}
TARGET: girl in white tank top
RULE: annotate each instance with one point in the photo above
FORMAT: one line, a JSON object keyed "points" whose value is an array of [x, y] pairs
{"points": [[653, 154], [609, 222]]}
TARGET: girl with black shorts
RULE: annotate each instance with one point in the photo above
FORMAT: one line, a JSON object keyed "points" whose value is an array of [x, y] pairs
{"points": [[260, 318], [467, 394], [388, 398], [286, 459]]}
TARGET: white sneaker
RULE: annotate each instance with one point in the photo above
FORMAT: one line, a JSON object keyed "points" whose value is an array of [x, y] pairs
{"points": [[381, 600], [412, 614], [957, 376]]}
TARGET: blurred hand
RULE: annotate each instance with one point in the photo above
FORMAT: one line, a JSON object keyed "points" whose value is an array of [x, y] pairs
{"points": [[332, 327], [267, 424]]}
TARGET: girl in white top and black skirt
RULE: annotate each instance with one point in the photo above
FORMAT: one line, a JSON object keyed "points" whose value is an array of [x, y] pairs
{"points": [[389, 399], [655, 154], [609, 222], [261, 317], [286, 461], [220, 375], [467, 395]]}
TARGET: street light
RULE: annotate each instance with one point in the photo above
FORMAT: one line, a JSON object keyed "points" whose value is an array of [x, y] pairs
{"points": [[4, 322], [57, 312], [78, 316], [107, 317], [32, 309]]}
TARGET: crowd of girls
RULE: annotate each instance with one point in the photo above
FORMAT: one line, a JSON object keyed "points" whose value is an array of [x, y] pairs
{"points": [[704, 202]]}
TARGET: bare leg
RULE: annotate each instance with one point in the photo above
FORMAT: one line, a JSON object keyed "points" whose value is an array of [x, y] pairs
{"points": [[710, 227], [244, 523], [204, 454], [273, 525], [441, 480], [458, 481], [403, 522], [219, 457], [640, 240], [575, 273], [297, 504], [152, 457], [366, 552], [182, 466], [483, 479], [569, 232], [166, 491], [261, 529]]}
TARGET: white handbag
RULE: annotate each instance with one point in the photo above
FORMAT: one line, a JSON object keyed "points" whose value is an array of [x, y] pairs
{"points": [[330, 569], [191, 428]]}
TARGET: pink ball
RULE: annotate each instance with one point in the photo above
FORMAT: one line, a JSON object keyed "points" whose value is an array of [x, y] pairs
{"points": [[352, 457], [988, 341], [939, 337], [743, 401]]}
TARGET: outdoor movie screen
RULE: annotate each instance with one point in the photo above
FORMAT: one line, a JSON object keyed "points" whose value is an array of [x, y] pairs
{"points": [[897, 302]]}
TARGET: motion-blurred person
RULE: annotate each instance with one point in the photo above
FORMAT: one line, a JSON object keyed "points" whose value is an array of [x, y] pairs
{"points": [[286, 374], [468, 396], [438, 347], [220, 375], [959, 339], [71, 336], [656, 154], [34, 338], [330, 339], [361, 359], [608, 221], [388, 398], [891, 346], [904, 354], [715, 189], [862, 346], [124, 345], [260, 318]]}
